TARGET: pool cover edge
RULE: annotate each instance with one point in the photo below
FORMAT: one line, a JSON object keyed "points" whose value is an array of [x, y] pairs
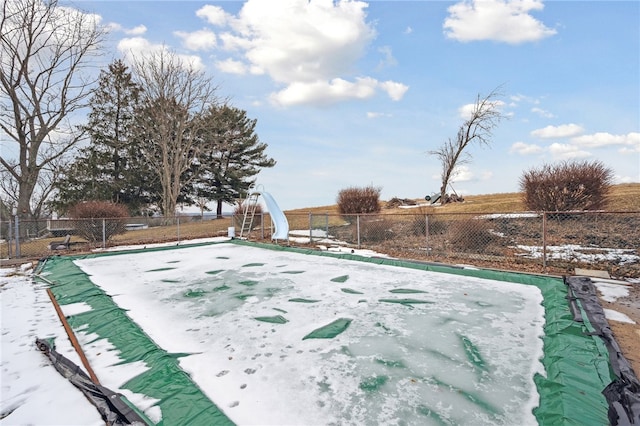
{"points": [[576, 360]]}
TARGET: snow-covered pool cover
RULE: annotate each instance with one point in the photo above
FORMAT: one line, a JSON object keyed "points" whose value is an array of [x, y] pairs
{"points": [[410, 346]]}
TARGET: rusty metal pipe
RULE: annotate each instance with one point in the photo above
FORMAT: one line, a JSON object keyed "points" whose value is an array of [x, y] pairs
{"points": [[72, 337]]}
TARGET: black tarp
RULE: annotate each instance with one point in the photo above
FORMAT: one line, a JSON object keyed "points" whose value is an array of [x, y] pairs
{"points": [[112, 407], [623, 394]]}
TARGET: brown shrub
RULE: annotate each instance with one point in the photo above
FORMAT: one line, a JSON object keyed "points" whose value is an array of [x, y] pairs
{"points": [[96, 220], [359, 200], [567, 186]]}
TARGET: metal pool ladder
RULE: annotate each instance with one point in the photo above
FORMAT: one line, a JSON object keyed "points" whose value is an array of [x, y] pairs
{"points": [[250, 207]]}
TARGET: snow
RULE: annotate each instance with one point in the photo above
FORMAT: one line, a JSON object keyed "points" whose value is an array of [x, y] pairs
{"points": [[33, 392], [509, 215], [610, 291], [610, 314], [238, 361], [417, 206], [578, 253]]}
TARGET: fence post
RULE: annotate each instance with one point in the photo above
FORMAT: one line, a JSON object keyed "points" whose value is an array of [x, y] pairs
{"points": [[262, 225], [358, 229], [310, 230], [104, 233], [17, 235], [426, 231], [9, 240], [544, 242], [326, 225], [178, 225]]}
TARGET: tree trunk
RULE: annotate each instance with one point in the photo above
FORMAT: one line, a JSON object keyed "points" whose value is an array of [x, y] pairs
{"points": [[26, 187], [219, 209]]}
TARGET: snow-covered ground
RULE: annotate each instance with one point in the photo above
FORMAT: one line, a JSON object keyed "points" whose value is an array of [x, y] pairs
{"points": [[578, 253], [394, 360], [32, 391], [610, 291]]}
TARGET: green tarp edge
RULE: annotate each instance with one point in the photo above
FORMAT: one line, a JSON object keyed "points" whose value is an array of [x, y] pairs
{"points": [[179, 398], [576, 363]]}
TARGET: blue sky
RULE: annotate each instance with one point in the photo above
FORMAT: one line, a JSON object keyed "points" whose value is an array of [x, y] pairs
{"points": [[353, 93]]}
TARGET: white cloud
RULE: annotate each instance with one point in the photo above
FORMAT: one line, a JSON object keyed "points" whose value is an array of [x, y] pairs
{"points": [[139, 30], [541, 112], [232, 66], [307, 46], [630, 142], [617, 179], [298, 40], [461, 174], [387, 57], [394, 89], [558, 151], [198, 40], [193, 61], [137, 45], [231, 42], [324, 93], [533, 103], [562, 131], [498, 20], [525, 149], [520, 98], [135, 48], [113, 26], [467, 110], [408, 30], [135, 31], [214, 15], [561, 151]]}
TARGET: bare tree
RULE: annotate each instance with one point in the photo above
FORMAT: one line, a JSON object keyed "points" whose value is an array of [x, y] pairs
{"points": [[478, 128], [174, 94], [46, 55], [42, 190]]}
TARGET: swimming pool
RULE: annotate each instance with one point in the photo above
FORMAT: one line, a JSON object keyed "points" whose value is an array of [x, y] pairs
{"points": [[287, 336]]}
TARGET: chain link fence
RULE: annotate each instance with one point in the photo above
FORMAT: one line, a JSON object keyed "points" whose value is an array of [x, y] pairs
{"points": [[531, 242]]}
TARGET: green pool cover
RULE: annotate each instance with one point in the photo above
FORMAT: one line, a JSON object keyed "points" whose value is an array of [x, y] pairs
{"points": [[576, 362]]}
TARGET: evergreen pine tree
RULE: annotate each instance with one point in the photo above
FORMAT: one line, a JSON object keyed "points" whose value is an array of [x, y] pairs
{"points": [[110, 168], [231, 154]]}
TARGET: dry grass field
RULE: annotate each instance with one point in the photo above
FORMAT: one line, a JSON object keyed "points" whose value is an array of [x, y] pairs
{"points": [[623, 197]]}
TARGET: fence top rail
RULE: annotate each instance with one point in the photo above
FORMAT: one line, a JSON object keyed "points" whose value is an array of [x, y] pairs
{"points": [[514, 214]]}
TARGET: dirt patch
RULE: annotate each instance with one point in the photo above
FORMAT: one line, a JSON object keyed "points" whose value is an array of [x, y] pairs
{"points": [[627, 335]]}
